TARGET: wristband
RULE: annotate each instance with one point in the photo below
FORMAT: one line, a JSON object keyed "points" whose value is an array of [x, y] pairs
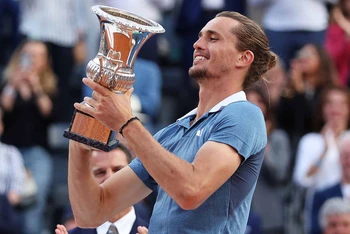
{"points": [[127, 122]]}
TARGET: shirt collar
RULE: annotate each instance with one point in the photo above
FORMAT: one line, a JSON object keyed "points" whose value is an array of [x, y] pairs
{"points": [[124, 224], [239, 96]]}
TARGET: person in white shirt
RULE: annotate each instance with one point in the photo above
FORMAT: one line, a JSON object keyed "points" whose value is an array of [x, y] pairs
{"points": [[318, 156], [318, 153], [341, 189]]}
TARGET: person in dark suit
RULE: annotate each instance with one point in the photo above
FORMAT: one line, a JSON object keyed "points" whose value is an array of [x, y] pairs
{"points": [[103, 165], [340, 189]]}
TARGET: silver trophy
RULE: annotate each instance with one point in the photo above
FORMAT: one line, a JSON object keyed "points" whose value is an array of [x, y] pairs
{"points": [[122, 36]]}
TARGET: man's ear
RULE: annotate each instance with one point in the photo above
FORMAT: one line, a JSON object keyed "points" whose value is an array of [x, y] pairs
{"points": [[245, 59]]}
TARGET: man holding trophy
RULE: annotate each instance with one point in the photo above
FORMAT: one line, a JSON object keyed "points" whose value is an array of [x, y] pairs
{"points": [[205, 165]]}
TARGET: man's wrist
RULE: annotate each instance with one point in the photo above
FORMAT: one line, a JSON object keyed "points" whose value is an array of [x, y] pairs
{"points": [[127, 123]]}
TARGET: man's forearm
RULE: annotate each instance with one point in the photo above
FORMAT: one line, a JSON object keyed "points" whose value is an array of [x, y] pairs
{"points": [[173, 174], [84, 192]]}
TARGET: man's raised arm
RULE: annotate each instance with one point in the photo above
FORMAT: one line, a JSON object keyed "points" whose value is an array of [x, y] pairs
{"points": [[92, 203]]}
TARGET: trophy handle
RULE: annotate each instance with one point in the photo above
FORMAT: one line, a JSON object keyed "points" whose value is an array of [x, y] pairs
{"points": [[87, 130]]}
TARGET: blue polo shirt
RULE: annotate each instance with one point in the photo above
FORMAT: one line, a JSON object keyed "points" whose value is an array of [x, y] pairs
{"points": [[235, 122]]}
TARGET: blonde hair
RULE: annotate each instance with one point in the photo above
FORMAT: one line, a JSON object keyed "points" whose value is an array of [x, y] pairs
{"points": [[47, 77]]}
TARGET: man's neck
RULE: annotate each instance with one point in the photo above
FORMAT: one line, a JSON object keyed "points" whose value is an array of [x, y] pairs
{"points": [[210, 95]]}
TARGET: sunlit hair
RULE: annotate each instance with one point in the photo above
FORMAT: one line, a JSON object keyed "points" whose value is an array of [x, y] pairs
{"points": [[319, 118], [333, 206], [47, 77], [251, 37]]}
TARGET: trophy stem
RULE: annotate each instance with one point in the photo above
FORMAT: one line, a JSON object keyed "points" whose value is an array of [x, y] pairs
{"points": [[87, 130]]}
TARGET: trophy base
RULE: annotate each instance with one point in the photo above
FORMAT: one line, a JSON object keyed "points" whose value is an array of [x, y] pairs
{"points": [[89, 131]]}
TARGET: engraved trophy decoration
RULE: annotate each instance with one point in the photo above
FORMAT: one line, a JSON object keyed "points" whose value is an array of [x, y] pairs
{"points": [[122, 36]]}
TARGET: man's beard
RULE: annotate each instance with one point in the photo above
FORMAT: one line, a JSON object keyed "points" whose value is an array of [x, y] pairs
{"points": [[198, 73]]}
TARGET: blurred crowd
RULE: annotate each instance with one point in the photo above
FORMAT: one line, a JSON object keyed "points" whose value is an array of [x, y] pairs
{"points": [[304, 183]]}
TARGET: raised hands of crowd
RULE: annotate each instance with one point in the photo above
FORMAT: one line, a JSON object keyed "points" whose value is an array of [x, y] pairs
{"points": [[25, 83]]}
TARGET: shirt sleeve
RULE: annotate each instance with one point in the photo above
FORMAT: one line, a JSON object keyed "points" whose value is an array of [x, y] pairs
{"points": [[137, 166], [243, 128]]}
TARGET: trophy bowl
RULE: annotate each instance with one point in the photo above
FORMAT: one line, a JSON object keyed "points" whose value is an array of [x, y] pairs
{"points": [[122, 35]]}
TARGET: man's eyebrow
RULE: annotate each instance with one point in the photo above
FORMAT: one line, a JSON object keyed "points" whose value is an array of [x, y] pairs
{"points": [[119, 167], [210, 32]]}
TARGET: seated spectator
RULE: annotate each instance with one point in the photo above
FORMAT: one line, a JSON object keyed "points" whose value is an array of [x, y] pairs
{"points": [[318, 152], [103, 166], [26, 98], [12, 179], [341, 189], [337, 40], [311, 71], [335, 216]]}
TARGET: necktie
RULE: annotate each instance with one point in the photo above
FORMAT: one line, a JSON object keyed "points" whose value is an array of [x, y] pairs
{"points": [[112, 230]]}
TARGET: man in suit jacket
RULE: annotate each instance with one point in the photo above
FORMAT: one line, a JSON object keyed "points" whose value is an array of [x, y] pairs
{"points": [[103, 165], [341, 189]]}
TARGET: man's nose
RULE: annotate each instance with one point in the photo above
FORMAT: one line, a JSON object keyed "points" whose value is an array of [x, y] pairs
{"points": [[109, 173], [199, 44]]}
